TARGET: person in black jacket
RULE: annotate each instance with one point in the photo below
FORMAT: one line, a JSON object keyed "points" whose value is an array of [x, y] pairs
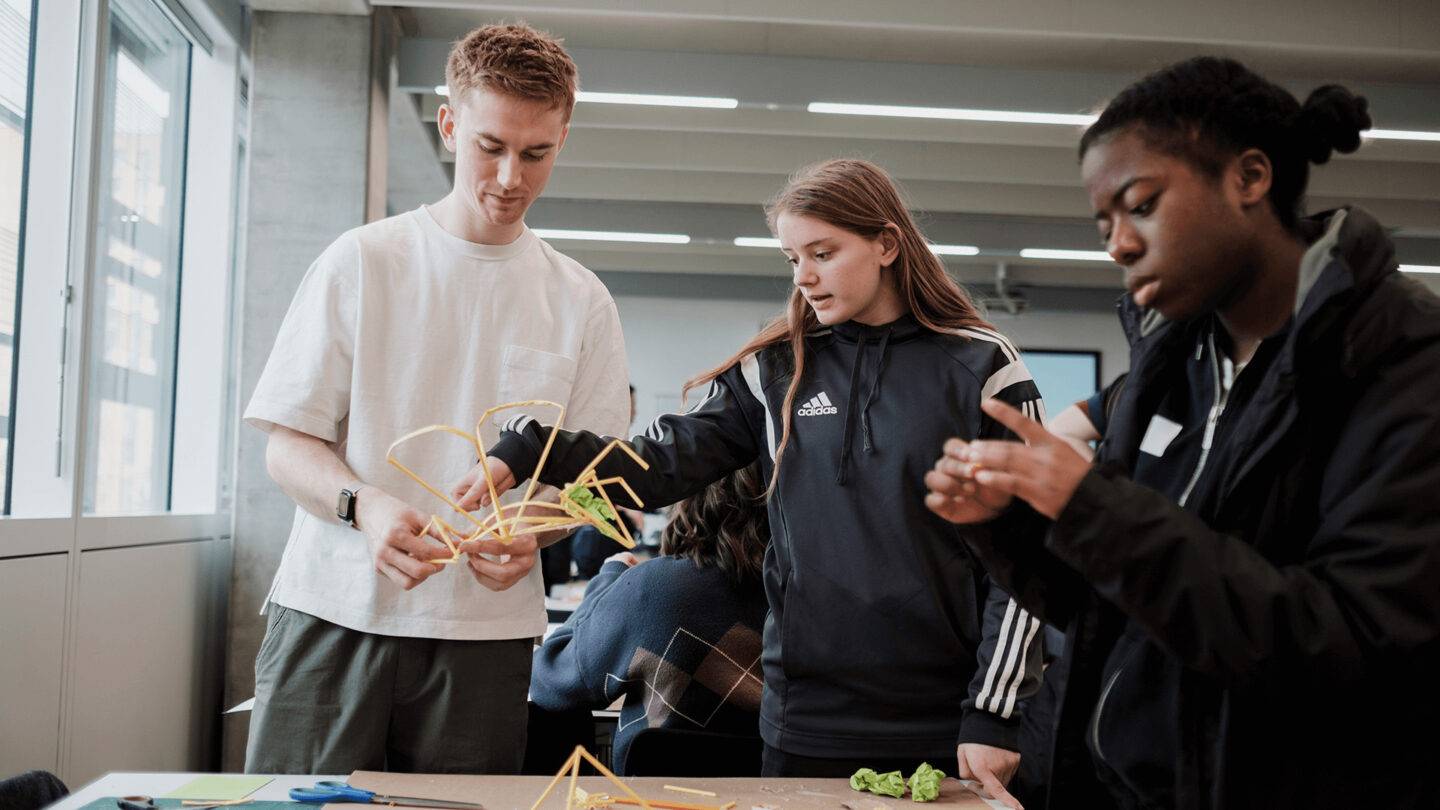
{"points": [[886, 643], [678, 636], [1250, 576]]}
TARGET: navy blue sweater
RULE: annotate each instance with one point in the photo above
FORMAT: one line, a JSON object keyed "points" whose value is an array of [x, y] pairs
{"points": [[680, 642]]}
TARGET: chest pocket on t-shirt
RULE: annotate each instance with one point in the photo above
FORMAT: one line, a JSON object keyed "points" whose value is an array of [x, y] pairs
{"points": [[527, 373]]}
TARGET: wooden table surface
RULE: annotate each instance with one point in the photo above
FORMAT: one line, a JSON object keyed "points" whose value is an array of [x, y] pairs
{"points": [[520, 792]]}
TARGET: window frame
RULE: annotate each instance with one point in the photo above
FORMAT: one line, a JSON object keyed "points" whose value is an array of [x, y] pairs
{"points": [[26, 140], [67, 75], [160, 388]]}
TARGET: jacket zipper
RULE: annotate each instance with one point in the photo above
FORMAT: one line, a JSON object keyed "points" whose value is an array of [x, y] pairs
{"points": [[1225, 375], [1224, 384], [1099, 709]]}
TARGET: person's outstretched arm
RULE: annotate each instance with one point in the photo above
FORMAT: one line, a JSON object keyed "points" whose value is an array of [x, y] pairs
{"points": [[686, 452]]}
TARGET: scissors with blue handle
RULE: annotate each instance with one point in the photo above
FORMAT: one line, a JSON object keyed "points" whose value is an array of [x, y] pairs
{"points": [[326, 792]]}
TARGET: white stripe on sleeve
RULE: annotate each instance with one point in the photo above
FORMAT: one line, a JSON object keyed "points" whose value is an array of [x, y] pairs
{"points": [[1007, 376], [987, 690], [750, 370]]}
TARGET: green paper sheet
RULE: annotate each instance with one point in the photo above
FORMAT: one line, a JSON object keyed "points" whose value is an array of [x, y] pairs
{"points": [[219, 788]]}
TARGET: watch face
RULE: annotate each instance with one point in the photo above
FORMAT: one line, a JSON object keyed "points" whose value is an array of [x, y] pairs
{"points": [[343, 510]]}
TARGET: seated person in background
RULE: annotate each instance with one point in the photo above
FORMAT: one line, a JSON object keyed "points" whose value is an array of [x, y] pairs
{"points": [[591, 549], [678, 636], [588, 549], [1084, 421]]}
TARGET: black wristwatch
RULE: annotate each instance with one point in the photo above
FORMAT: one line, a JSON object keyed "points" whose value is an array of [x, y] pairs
{"points": [[345, 510]]}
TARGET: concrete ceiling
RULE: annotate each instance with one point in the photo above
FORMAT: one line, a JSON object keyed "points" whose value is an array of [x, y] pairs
{"points": [[1379, 40], [351, 7], [999, 186]]}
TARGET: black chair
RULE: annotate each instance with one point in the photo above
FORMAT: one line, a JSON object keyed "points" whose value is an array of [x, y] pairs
{"points": [[682, 752], [552, 737], [31, 790]]}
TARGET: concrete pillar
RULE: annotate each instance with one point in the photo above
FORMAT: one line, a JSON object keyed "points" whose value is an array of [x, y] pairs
{"points": [[414, 175], [310, 119]]}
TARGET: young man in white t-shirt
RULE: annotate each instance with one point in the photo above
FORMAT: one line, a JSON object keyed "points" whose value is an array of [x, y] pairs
{"points": [[373, 657]]}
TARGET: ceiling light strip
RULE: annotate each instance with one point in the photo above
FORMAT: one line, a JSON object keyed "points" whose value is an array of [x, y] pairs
{"points": [[651, 100], [1066, 255], [955, 250], [1401, 135], [757, 241], [641, 99], [952, 114], [613, 236]]}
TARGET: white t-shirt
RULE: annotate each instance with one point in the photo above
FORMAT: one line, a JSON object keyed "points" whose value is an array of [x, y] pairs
{"points": [[399, 325]]}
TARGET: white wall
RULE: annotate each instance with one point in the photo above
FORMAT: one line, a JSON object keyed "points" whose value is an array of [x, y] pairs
{"points": [[669, 340], [32, 601], [1096, 331], [110, 658]]}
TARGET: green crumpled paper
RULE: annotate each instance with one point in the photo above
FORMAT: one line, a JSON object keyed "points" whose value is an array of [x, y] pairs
{"points": [[861, 779], [881, 784], [925, 783], [590, 502]]}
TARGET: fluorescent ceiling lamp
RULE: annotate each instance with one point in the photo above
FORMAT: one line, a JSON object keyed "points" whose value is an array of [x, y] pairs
{"points": [[1420, 268], [1402, 135], [644, 99], [613, 236], [952, 114], [771, 242], [649, 100], [1066, 255], [757, 241], [954, 250]]}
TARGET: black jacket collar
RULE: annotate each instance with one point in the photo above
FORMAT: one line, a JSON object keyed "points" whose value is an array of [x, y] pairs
{"points": [[1363, 257], [903, 328]]}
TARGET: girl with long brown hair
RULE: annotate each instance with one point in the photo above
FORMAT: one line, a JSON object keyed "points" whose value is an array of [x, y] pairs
{"points": [[885, 642]]}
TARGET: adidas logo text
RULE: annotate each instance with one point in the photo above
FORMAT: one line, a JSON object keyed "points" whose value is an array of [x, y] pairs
{"points": [[819, 405]]}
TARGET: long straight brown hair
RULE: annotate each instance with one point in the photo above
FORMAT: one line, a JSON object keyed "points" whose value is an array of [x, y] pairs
{"points": [[859, 197]]}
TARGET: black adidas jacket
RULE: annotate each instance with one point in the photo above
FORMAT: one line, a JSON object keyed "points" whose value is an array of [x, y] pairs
{"points": [[884, 635], [1276, 641]]}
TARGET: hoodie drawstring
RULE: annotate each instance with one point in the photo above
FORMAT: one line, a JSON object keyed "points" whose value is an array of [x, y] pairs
{"points": [[874, 393], [848, 432], [843, 474]]}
